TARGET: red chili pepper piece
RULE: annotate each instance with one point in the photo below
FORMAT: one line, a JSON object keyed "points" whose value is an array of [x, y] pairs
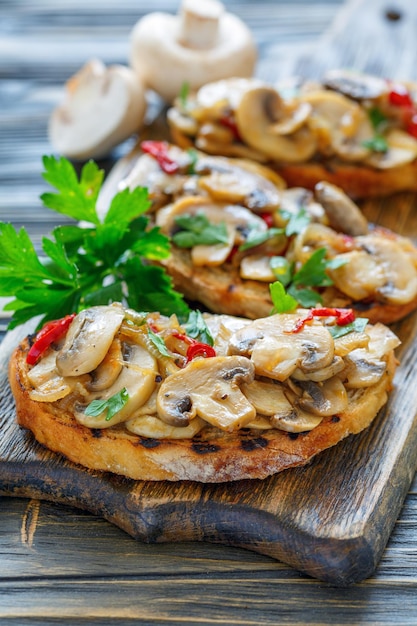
{"points": [[46, 336], [400, 96], [200, 349], [268, 218], [411, 127], [159, 150], [230, 123], [343, 317]]}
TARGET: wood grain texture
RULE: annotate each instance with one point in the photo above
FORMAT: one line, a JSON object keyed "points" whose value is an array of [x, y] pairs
{"points": [[72, 566]]}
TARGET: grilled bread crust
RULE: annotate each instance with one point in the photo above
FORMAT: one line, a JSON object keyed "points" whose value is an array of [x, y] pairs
{"points": [[211, 456]]}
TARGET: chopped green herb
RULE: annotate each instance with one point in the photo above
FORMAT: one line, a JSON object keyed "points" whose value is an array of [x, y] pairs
{"points": [[256, 238], [104, 261], [112, 405], [357, 326], [197, 230], [193, 154], [297, 222], [184, 93], [282, 269], [197, 328], [377, 118], [159, 343], [281, 300], [376, 144]]}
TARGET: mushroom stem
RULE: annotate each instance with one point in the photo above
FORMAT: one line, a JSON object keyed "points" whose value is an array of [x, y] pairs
{"points": [[199, 23]]}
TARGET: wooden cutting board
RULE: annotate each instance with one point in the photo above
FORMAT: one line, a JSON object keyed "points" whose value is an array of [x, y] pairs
{"points": [[331, 519]]}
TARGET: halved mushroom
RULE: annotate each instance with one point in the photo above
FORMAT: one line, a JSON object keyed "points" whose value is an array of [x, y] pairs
{"points": [[259, 117], [380, 269], [137, 377], [276, 351], [103, 107], [88, 339], [272, 400], [343, 214], [402, 149], [342, 125], [325, 399], [208, 388]]}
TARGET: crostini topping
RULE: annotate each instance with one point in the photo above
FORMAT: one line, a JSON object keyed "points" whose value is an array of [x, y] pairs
{"points": [[257, 374]]}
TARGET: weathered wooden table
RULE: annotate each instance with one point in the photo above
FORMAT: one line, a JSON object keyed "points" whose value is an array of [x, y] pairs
{"points": [[64, 565]]}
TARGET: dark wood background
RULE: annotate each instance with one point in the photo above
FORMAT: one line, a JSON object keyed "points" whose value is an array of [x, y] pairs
{"points": [[62, 565]]}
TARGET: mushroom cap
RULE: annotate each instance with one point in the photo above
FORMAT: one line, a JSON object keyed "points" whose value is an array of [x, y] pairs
{"points": [[102, 107], [164, 64]]}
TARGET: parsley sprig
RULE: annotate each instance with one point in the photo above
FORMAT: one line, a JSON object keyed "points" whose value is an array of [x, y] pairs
{"points": [[104, 260], [197, 230]]}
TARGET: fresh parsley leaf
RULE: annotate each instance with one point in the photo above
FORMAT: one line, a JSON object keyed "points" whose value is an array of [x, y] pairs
{"points": [[184, 93], [197, 230], [378, 143], [112, 405], [377, 118], [305, 296], [281, 300], [159, 343], [193, 155], [297, 222], [77, 199], [106, 261], [282, 269], [256, 238], [313, 272], [357, 326], [197, 328]]}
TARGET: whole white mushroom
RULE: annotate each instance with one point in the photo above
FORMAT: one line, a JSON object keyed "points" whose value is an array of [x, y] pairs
{"points": [[203, 43]]}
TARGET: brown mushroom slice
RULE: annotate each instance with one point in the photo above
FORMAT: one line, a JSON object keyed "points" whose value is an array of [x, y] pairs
{"points": [[208, 388], [356, 85], [381, 269], [257, 115], [137, 377], [343, 125], [109, 369], [216, 97], [151, 426], [88, 339], [324, 399], [402, 149], [276, 351], [343, 214]]}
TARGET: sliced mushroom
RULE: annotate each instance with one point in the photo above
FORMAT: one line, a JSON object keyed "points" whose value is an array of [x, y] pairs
{"points": [[276, 351], [356, 85], [343, 214], [208, 388], [343, 125], [151, 426], [257, 267], [48, 384], [362, 370], [257, 115], [137, 377], [345, 344], [335, 367], [238, 183], [272, 400], [325, 399], [89, 339], [297, 199], [381, 269], [109, 369], [402, 149]]}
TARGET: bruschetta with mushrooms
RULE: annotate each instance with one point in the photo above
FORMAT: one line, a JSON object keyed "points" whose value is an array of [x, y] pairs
{"points": [[236, 229], [211, 399], [356, 131]]}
